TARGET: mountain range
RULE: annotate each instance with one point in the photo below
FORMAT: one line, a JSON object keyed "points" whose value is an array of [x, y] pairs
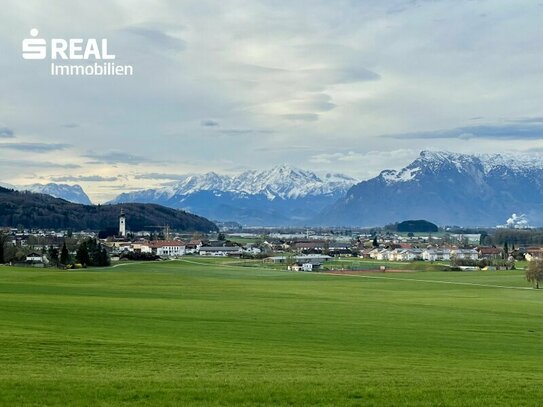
{"points": [[280, 196], [442, 187], [447, 189]]}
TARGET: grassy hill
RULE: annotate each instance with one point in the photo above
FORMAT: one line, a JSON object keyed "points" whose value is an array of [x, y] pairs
{"points": [[43, 211], [199, 332]]}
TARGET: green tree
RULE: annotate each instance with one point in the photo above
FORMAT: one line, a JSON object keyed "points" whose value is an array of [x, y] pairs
{"points": [[290, 259], [9, 253], [3, 240], [52, 254], [326, 248], [98, 256], [375, 242], [534, 273], [485, 239], [64, 254], [104, 258], [82, 254]]}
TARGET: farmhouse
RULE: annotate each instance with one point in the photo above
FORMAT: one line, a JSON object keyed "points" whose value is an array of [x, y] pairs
{"points": [[491, 253]]}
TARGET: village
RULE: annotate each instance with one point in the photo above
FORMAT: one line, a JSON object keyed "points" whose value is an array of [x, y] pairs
{"points": [[307, 251]]}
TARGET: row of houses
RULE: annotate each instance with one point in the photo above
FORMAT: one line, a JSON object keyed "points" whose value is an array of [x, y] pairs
{"points": [[178, 248], [430, 254]]}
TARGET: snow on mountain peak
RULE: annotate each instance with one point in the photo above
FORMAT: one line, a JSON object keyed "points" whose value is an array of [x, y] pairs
{"points": [[282, 181], [475, 164]]}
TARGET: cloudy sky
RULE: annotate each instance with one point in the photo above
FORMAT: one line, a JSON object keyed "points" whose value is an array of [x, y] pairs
{"points": [[341, 86]]}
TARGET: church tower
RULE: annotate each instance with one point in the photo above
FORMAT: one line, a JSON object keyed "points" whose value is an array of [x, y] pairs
{"points": [[122, 224]]}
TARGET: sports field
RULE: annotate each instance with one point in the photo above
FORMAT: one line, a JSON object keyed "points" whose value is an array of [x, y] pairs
{"points": [[208, 333]]}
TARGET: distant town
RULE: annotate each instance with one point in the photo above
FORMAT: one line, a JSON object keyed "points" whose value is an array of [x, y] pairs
{"points": [[293, 249]]}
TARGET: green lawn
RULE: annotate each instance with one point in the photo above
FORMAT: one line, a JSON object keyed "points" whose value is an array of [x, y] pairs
{"points": [[181, 333]]}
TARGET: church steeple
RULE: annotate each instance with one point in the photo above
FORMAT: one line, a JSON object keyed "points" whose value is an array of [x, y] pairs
{"points": [[122, 224]]}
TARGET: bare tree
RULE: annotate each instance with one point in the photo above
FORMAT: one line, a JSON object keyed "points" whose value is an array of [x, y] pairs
{"points": [[534, 273]]}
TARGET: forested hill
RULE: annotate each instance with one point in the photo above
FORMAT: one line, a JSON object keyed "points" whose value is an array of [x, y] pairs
{"points": [[33, 210]]}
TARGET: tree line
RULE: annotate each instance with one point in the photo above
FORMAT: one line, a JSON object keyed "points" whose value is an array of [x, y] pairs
{"points": [[524, 237]]}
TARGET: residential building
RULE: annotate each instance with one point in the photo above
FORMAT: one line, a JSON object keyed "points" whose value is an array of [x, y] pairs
{"points": [[167, 248], [491, 253], [436, 254], [464, 254]]}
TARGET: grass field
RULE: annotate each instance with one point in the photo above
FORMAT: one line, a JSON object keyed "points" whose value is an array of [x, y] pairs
{"points": [[206, 333]]}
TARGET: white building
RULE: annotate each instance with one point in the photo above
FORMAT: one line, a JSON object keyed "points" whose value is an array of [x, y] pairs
{"points": [[373, 253], [167, 248], [436, 255], [249, 249], [383, 254], [405, 254], [34, 258], [141, 247], [464, 254], [301, 267]]}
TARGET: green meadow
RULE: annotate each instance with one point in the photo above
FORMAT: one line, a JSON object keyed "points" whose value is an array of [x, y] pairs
{"points": [[209, 332]]}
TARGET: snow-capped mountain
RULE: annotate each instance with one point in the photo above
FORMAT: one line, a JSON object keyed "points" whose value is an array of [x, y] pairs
{"points": [[282, 195], [449, 189], [71, 193]]}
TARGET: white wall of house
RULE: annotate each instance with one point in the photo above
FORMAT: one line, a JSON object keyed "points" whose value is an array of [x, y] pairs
{"points": [[465, 254], [383, 255], [170, 251], [307, 267], [34, 258], [436, 255]]}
